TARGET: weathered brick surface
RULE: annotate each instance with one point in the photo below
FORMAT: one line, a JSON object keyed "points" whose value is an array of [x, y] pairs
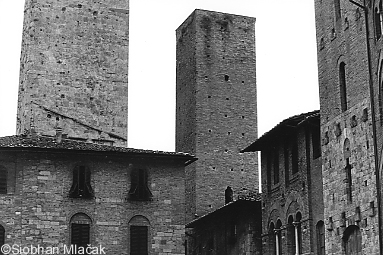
{"points": [[345, 40], [74, 66], [216, 105], [39, 209]]}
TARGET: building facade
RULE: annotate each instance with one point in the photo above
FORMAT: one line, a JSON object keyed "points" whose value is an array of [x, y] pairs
{"points": [[216, 113], [74, 69], [233, 229], [57, 191], [292, 203], [349, 127]]}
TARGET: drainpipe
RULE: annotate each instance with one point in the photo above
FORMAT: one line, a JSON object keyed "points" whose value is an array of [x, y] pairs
{"points": [[370, 75]]}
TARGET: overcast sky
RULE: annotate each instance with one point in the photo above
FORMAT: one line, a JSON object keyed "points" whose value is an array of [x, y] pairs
{"points": [[287, 78]]}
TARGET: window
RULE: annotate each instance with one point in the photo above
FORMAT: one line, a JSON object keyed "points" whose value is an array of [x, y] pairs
{"points": [[139, 235], [3, 180], [276, 166], [320, 238], [271, 241], [2, 236], [139, 189], [287, 162], [347, 168], [278, 236], [337, 10], [268, 171], [80, 231], [378, 27], [342, 86], [352, 240], [290, 236], [294, 155], [81, 187]]}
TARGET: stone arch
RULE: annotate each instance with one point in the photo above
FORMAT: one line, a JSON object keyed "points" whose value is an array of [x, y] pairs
{"points": [[80, 225], [352, 240], [293, 197]]}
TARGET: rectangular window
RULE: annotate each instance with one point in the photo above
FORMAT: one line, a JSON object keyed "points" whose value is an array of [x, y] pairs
{"points": [[294, 155], [276, 166], [81, 186], [268, 170], [3, 180], [287, 162], [138, 240], [80, 235], [139, 189]]}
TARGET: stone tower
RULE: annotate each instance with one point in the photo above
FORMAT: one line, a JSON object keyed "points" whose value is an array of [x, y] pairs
{"points": [[348, 157], [74, 69], [216, 114]]}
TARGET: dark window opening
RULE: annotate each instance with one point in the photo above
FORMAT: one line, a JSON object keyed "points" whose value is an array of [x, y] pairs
{"points": [[3, 180], [352, 240], [268, 165], [226, 77], [138, 240], [81, 186], [348, 180], [320, 238], [80, 231], [228, 195], [287, 162], [276, 166], [2, 236], [139, 189], [294, 156], [342, 86]]}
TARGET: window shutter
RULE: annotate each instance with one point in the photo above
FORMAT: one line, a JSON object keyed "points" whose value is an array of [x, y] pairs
{"points": [[74, 190], [3, 180], [88, 191], [80, 234], [133, 183], [138, 240]]}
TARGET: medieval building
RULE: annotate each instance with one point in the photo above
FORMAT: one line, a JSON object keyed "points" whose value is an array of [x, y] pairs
{"points": [[351, 145], [216, 113], [292, 200]]}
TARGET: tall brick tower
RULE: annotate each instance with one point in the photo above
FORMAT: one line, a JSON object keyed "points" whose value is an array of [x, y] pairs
{"points": [[216, 114], [348, 156], [74, 69]]}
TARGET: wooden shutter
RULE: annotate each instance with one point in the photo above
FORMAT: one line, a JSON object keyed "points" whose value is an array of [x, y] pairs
{"points": [[3, 180], [74, 189], [138, 240], [80, 234]]}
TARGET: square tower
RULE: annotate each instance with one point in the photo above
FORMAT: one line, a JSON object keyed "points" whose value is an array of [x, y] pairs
{"points": [[74, 69], [347, 119], [216, 114]]}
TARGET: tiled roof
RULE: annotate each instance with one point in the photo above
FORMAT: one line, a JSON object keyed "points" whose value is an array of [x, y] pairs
{"points": [[52, 143], [282, 129]]}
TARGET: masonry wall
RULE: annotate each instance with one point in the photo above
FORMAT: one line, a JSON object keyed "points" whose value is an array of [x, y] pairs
{"points": [[37, 209], [339, 40], [74, 66], [216, 103]]}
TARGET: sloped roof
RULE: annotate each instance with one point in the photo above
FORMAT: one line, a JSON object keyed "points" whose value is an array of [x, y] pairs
{"points": [[284, 128], [54, 144]]}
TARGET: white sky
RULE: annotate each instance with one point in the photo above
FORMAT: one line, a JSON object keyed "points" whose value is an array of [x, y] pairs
{"points": [[287, 79]]}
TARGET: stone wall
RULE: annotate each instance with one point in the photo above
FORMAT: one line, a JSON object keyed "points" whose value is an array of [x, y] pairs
{"points": [[37, 209], [74, 62], [216, 103]]}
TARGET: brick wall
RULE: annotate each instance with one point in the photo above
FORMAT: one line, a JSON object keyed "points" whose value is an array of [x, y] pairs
{"points": [[216, 103], [39, 210], [74, 62]]}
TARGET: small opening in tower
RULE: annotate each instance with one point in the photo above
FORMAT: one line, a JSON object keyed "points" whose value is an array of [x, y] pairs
{"points": [[243, 117], [228, 133], [231, 169], [226, 150], [243, 82], [209, 130], [227, 98], [243, 134], [225, 115], [208, 96], [57, 118], [62, 96], [49, 116], [226, 77]]}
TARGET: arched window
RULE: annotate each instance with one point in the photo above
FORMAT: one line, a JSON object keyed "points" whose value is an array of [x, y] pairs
{"points": [[2, 236], [352, 240], [139, 235], [81, 185], [80, 225], [271, 241], [342, 86], [290, 236], [3, 180], [298, 227], [320, 238]]}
